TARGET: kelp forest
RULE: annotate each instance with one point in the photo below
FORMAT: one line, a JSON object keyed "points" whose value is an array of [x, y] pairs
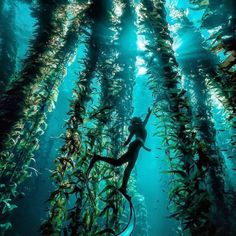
{"points": [[118, 117]]}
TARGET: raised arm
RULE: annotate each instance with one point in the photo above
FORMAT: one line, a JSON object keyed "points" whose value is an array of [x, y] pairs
{"points": [[147, 116]]}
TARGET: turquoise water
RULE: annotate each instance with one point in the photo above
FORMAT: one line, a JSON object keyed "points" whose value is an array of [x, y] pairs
{"points": [[152, 181]]}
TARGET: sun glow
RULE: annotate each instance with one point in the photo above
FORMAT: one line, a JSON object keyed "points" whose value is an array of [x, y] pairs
{"points": [[141, 43], [216, 99], [140, 64], [118, 9], [142, 70]]}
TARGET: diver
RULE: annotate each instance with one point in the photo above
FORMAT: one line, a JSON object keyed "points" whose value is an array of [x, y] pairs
{"points": [[137, 128]]}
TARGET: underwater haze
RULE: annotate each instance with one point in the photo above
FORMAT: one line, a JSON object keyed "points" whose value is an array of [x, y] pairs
{"points": [[118, 117]]}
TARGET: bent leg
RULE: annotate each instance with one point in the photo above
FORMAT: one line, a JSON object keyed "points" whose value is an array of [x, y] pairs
{"points": [[112, 161]]}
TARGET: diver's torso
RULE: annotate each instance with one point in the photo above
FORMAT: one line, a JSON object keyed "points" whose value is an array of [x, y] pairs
{"points": [[140, 132], [140, 137]]}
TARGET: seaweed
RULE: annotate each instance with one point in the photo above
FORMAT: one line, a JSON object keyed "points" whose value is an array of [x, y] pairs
{"points": [[200, 198], [48, 35], [185, 149], [223, 40], [106, 131], [25, 135], [8, 47]]}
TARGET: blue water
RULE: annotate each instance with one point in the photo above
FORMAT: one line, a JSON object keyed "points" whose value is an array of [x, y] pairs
{"points": [[152, 184]]}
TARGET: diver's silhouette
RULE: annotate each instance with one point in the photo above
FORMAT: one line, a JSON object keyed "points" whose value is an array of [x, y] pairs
{"points": [[137, 128]]}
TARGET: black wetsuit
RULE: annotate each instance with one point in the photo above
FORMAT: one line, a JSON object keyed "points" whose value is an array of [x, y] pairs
{"points": [[132, 153]]}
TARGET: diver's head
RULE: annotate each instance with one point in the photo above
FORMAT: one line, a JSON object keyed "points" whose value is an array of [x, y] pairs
{"points": [[136, 121]]}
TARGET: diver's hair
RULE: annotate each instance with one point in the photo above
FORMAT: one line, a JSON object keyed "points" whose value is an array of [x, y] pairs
{"points": [[136, 120]]}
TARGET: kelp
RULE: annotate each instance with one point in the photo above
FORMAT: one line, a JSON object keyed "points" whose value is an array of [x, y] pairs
{"points": [[68, 179], [197, 76], [222, 39], [36, 66], [73, 150], [8, 47], [99, 138], [210, 156], [13, 101], [222, 43], [108, 126], [190, 202], [101, 106], [121, 88], [217, 82], [101, 131], [43, 99], [16, 167]]}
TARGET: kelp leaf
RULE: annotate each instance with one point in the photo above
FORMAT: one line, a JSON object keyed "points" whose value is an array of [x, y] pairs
{"points": [[180, 172], [5, 226]]}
